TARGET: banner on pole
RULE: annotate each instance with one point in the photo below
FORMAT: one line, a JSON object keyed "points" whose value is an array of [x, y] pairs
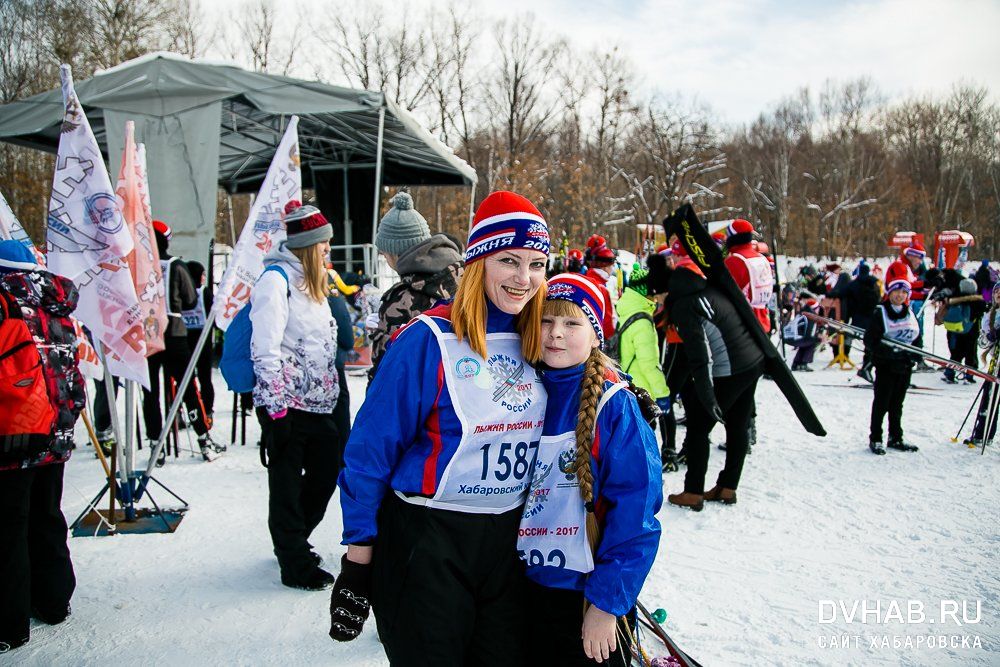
{"points": [[11, 230], [264, 227], [88, 241], [144, 260]]}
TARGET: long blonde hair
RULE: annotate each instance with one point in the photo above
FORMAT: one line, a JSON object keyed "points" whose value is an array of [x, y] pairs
{"points": [[314, 283], [468, 315]]}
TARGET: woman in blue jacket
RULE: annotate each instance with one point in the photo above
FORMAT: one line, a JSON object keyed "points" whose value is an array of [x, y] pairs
{"points": [[437, 466], [589, 531]]}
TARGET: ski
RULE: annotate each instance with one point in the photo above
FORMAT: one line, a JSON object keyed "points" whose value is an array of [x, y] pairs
{"points": [[916, 388], [684, 224], [651, 623], [859, 333]]}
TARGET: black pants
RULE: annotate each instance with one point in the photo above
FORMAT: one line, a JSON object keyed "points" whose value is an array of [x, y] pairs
{"points": [[102, 415], [203, 369], [554, 635], [447, 587], [890, 392], [303, 451], [804, 355], [983, 416], [735, 397], [174, 360], [35, 569], [963, 350], [342, 416]]}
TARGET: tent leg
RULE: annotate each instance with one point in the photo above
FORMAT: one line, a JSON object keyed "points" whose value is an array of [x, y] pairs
{"points": [[348, 240], [378, 173]]}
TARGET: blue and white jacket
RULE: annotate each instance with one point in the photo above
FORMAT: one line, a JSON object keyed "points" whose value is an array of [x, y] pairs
{"points": [[627, 493], [435, 406]]}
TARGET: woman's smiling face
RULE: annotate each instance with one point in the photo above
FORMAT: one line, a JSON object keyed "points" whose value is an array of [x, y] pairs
{"points": [[512, 277]]}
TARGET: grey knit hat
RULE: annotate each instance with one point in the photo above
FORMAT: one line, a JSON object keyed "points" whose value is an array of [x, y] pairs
{"points": [[402, 227]]}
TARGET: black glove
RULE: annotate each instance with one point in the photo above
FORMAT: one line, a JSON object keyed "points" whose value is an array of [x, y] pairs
{"points": [[933, 278], [706, 394], [349, 605], [648, 408]]}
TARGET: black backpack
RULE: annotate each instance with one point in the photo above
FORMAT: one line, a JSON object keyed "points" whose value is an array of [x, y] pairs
{"points": [[612, 346]]}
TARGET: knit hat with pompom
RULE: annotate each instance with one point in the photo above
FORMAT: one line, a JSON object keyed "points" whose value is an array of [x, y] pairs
{"points": [[305, 225], [402, 227]]}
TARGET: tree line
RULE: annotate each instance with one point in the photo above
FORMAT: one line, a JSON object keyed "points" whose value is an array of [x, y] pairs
{"points": [[830, 172]]}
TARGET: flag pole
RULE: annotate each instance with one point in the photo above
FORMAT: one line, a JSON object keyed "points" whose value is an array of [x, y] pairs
{"points": [[178, 399], [109, 388]]}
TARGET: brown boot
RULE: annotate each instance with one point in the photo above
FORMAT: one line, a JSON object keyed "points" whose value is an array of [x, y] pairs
{"points": [[720, 495], [693, 501]]}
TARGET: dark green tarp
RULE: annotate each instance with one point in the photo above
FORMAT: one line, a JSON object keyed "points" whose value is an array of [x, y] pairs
{"points": [[211, 125]]}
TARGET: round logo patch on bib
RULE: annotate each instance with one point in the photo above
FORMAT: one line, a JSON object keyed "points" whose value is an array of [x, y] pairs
{"points": [[466, 368]]}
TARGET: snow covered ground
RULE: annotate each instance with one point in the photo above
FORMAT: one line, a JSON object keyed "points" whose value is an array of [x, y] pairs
{"points": [[817, 520]]}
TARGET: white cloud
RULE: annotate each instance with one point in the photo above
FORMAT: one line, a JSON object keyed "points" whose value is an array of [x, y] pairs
{"points": [[742, 56]]}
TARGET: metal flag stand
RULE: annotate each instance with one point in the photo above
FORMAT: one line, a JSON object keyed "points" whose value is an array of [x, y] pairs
{"points": [[93, 522]]}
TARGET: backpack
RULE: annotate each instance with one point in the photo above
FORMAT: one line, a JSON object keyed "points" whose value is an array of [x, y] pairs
{"points": [[27, 416], [612, 346], [795, 330], [236, 364], [958, 318]]}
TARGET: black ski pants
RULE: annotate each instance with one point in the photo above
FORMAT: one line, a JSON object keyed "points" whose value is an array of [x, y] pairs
{"points": [[36, 574], [890, 392], [174, 360], [735, 395], [303, 452], [448, 587], [984, 415], [342, 416], [963, 349], [203, 369], [102, 415], [554, 633]]}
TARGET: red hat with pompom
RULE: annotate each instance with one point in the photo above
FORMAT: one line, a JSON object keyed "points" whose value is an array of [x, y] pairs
{"points": [[598, 251], [739, 232]]}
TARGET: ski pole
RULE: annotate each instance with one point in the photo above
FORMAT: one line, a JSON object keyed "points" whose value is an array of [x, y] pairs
{"points": [[972, 407]]}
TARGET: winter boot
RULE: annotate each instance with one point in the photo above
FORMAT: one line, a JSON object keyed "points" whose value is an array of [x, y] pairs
{"points": [[970, 378], [718, 494], [692, 501], [877, 447], [207, 447], [316, 580], [865, 372], [52, 617], [899, 445], [669, 460], [106, 441], [161, 459], [7, 645]]}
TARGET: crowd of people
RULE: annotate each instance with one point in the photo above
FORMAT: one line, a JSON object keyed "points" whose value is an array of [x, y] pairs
{"points": [[505, 457]]}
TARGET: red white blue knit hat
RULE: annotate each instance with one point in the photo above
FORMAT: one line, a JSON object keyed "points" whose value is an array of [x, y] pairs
{"points": [[738, 232], [576, 289], [915, 249], [898, 284], [506, 221]]}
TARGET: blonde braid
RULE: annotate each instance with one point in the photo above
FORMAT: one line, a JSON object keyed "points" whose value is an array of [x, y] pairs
{"points": [[591, 390]]}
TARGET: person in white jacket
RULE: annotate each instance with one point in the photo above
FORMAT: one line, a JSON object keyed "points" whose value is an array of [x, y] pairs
{"points": [[294, 351]]}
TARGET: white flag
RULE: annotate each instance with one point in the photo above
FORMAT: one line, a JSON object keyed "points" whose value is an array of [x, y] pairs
{"points": [[11, 230], [264, 227], [88, 240], [144, 260]]}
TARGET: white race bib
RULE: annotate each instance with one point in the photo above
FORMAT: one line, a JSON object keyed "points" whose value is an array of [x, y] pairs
{"points": [[553, 529], [500, 402], [904, 330]]}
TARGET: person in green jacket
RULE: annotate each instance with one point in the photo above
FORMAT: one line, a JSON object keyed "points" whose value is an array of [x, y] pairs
{"points": [[639, 346]]}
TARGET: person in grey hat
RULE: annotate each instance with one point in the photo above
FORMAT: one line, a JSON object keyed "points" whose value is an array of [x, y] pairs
{"points": [[428, 266]]}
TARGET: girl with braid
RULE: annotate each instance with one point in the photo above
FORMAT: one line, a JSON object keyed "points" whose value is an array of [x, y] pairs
{"points": [[589, 532]]}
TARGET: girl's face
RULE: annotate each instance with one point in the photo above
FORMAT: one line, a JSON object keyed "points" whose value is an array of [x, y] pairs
{"points": [[513, 277], [566, 341], [897, 297]]}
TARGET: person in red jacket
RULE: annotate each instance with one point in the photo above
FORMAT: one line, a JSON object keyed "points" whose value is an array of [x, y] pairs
{"points": [[905, 267], [750, 269], [600, 258]]}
